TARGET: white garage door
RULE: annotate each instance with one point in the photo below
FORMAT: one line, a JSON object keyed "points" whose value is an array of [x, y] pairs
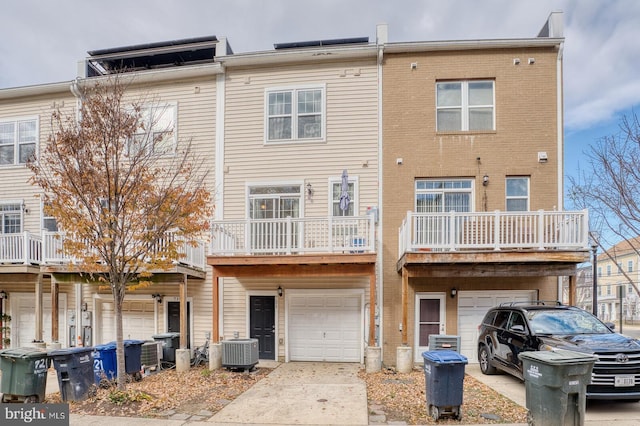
{"points": [[138, 320], [473, 305], [23, 328], [325, 327]]}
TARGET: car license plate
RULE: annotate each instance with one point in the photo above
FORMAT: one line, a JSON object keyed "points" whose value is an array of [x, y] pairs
{"points": [[621, 381]]}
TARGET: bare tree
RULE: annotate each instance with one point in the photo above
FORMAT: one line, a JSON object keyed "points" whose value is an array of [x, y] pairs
{"points": [[610, 189], [126, 199]]}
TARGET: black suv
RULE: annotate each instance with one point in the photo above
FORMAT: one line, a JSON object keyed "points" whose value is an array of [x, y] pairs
{"points": [[516, 327]]}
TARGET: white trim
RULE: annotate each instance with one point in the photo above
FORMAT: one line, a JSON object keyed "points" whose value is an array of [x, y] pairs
{"points": [[324, 292], [355, 179], [417, 350], [249, 185], [220, 142]]}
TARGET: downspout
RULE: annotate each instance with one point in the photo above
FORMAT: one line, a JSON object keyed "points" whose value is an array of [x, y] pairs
{"points": [[560, 136], [219, 185], [381, 40]]}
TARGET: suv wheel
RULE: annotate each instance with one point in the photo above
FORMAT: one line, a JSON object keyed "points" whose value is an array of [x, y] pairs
{"points": [[485, 361]]}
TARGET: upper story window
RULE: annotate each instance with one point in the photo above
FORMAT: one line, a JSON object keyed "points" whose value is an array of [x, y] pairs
{"points": [[630, 266], [608, 270], [158, 130], [336, 192], [465, 106], [49, 222], [10, 217], [443, 195], [517, 194], [295, 114], [18, 141]]}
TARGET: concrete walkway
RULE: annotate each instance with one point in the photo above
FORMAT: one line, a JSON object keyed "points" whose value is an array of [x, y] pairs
{"points": [[302, 394]]}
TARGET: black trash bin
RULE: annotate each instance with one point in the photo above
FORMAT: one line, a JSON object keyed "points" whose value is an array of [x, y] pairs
{"points": [[24, 374], [444, 380], [133, 357], [556, 386], [170, 342], [75, 372]]}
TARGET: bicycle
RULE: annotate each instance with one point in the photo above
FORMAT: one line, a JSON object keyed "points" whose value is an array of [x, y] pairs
{"points": [[201, 353]]}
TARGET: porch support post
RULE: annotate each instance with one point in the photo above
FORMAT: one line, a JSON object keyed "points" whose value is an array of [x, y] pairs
{"points": [[38, 296], [572, 290], [55, 331], [405, 305], [183, 313], [372, 308], [215, 331]]}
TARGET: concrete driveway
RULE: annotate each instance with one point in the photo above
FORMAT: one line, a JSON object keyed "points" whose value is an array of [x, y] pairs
{"points": [[298, 393]]}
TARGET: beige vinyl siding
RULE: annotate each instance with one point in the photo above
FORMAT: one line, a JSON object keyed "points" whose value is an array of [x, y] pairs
{"points": [[235, 304], [351, 134]]}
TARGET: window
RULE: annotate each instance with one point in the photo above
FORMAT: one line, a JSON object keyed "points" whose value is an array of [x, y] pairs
{"points": [[599, 271], [295, 114], [336, 192], [157, 133], [465, 105], [517, 194], [438, 196], [272, 204], [10, 218], [608, 270], [49, 222], [608, 290], [630, 266], [18, 140]]}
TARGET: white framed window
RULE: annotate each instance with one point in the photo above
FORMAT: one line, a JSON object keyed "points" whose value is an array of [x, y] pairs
{"points": [[18, 140], [444, 195], [49, 223], [608, 270], [295, 114], [630, 266], [517, 194], [10, 217], [158, 131], [335, 190], [465, 106]]}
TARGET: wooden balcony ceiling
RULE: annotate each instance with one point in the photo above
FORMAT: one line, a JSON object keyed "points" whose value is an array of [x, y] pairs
{"points": [[164, 275], [347, 264], [494, 263]]}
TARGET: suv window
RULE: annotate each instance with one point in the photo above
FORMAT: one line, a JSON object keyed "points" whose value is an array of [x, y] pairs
{"points": [[501, 319], [488, 319], [516, 322]]}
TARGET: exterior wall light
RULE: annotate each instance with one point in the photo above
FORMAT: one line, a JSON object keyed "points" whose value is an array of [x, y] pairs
{"points": [[485, 180], [453, 292], [279, 291]]}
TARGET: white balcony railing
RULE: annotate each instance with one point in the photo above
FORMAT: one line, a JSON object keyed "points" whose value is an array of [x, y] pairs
{"points": [[53, 252], [293, 236], [539, 230], [24, 248]]}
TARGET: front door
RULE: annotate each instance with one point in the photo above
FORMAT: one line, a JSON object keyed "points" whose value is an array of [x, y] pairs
{"points": [[263, 325], [430, 317], [173, 319]]}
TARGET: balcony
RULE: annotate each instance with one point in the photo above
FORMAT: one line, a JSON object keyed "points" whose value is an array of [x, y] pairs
{"points": [[29, 249], [496, 231], [289, 236]]}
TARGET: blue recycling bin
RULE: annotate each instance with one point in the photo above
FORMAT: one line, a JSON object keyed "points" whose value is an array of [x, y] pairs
{"points": [[133, 357], [444, 379], [104, 363], [75, 372]]}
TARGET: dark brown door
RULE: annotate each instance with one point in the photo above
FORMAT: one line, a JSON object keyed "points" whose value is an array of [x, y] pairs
{"points": [[263, 325], [173, 319]]}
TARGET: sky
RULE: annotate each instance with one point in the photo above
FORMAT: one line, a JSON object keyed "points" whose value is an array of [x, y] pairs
{"points": [[42, 41]]}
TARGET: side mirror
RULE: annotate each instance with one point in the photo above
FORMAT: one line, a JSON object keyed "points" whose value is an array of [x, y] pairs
{"points": [[519, 328], [611, 326]]}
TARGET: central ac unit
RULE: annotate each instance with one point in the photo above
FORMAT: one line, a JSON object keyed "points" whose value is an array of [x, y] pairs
{"points": [[439, 342], [240, 353]]}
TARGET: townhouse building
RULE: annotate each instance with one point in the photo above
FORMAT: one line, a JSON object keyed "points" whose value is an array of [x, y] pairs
{"points": [[368, 195]]}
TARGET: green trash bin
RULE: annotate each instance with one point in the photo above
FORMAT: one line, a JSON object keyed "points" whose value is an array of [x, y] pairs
{"points": [[24, 374], [556, 386]]}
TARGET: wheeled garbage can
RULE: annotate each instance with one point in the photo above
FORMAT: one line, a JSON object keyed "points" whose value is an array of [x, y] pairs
{"points": [[133, 358], [170, 342], [104, 363], [24, 374], [75, 372], [556, 386], [444, 380]]}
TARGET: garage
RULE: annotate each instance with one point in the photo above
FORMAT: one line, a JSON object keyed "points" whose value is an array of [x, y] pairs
{"points": [[138, 320], [23, 312], [325, 325], [473, 305]]}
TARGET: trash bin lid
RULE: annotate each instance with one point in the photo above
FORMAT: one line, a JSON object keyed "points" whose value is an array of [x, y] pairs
{"points": [[70, 351], [132, 342], [106, 347], [558, 356], [442, 357], [23, 353], [166, 335]]}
